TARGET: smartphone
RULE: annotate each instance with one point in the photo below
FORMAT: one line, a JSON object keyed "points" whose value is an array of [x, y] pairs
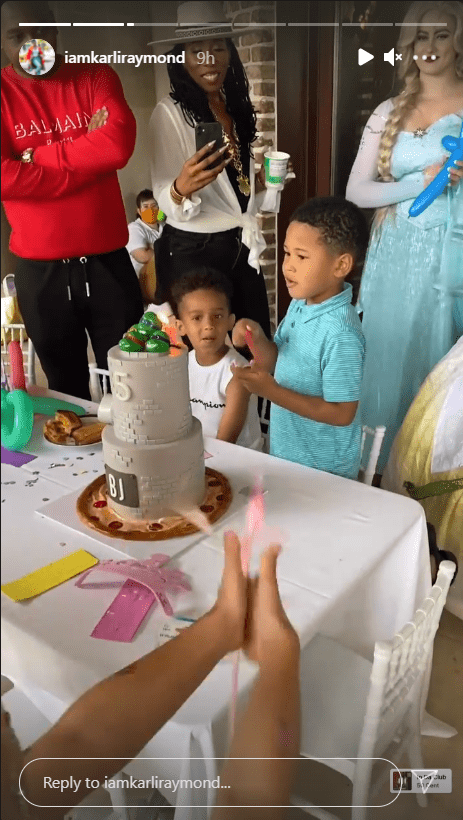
{"points": [[206, 132]]}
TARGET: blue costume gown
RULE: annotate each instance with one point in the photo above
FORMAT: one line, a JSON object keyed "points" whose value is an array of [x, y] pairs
{"points": [[411, 291]]}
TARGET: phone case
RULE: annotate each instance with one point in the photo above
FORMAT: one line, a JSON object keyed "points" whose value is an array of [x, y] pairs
{"points": [[206, 132]]}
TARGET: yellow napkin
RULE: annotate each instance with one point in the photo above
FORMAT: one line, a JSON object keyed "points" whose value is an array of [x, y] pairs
{"points": [[50, 576]]}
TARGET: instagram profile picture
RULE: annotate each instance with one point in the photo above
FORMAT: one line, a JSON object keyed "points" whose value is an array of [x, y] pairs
{"points": [[37, 57]]}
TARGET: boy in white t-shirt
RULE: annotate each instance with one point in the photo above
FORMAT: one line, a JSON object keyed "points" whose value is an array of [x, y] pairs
{"points": [[202, 304], [143, 233]]}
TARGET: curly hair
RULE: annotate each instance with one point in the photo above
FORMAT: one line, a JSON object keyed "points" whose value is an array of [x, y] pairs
{"points": [[342, 225], [193, 100], [201, 278], [409, 73]]}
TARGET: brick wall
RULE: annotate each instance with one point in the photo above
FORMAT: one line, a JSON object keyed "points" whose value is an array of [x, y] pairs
{"points": [[257, 52]]}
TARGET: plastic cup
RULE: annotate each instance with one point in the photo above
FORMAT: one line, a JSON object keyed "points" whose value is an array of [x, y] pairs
{"points": [[276, 168]]}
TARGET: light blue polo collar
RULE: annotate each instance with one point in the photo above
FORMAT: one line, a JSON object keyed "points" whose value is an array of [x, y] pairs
{"points": [[308, 312]]}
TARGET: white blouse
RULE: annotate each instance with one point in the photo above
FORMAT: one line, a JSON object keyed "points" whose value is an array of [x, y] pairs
{"points": [[212, 209]]}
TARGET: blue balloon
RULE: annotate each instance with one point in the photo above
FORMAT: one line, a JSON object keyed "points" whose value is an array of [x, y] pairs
{"points": [[437, 186]]}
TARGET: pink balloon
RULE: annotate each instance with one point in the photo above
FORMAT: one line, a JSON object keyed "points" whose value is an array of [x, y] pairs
{"points": [[17, 378]]}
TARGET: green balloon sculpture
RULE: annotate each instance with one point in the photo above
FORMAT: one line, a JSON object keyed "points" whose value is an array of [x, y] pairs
{"points": [[18, 407]]}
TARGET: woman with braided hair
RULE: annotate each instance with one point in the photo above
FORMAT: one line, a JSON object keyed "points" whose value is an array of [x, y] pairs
{"points": [[411, 299]]}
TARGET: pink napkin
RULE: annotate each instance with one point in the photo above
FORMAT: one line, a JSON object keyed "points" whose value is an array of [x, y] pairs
{"points": [[147, 583]]}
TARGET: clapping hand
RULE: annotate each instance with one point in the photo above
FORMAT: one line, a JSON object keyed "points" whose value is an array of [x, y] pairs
{"points": [[269, 637], [251, 609], [232, 597]]}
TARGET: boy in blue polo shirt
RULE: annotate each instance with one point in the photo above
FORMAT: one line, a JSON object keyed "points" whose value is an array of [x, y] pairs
{"points": [[318, 352]]}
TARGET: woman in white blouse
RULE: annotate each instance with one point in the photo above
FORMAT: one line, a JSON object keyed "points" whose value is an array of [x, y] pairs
{"points": [[410, 296], [211, 213]]}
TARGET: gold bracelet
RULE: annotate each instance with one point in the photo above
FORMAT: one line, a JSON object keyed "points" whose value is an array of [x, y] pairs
{"points": [[177, 198]]}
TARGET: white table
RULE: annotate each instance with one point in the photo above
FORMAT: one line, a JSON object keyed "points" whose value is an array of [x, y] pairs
{"points": [[355, 565]]}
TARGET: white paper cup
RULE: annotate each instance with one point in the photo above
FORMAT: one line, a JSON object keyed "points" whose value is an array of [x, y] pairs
{"points": [[276, 168]]}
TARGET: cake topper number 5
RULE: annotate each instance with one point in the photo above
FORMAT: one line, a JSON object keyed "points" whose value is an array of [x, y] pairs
{"points": [[121, 389], [438, 184]]}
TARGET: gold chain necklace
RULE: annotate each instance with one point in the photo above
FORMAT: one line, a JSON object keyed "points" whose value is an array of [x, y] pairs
{"points": [[234, 151]]}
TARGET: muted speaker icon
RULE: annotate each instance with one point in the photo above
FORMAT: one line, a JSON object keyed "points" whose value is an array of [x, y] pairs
{"points": [[389, 56]]}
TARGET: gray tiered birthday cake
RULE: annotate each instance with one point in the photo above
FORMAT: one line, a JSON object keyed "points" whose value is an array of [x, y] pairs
{"points": [[152, 445]]}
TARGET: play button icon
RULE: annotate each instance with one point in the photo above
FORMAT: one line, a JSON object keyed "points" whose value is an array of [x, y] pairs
{"points": [[364, 56]]}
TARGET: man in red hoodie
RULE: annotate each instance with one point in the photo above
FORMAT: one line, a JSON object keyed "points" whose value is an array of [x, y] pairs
{"points": [[64, 136]]}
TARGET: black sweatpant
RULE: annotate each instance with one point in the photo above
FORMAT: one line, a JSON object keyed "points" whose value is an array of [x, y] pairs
{"points": [[61, 299], [179, 252]]}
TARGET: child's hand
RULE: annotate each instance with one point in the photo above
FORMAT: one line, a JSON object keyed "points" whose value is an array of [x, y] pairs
{"points": [[255, 379], [270, 640], [231, 604], [242, 329]]}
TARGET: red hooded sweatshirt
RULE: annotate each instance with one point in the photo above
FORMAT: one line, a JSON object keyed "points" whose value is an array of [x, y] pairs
{"points": [[68, 201]]}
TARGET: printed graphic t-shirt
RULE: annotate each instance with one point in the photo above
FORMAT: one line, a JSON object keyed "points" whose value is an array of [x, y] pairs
{"points": [[208, 387]]}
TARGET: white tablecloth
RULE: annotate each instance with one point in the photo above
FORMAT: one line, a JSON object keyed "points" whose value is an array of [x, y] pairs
{"points": [[355, 565]]}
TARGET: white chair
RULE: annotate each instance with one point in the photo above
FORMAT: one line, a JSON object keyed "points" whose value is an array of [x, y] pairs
{"points": [[367, 472], [98, 388], [18, 333], [353, 711], [15, 332]]}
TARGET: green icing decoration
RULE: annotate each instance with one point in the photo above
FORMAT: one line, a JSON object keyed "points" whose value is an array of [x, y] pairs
{"points": [[157, 346], [161, 336], [151, 320], [135, 335], [129, 346], [143, 330]]}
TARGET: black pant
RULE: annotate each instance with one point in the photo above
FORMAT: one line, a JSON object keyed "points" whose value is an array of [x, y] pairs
{"points": [[180, 252], [57, 310]]}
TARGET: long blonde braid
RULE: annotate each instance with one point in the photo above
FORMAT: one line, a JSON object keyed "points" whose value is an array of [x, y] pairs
{"points": [[409, 73], [403, 104]]}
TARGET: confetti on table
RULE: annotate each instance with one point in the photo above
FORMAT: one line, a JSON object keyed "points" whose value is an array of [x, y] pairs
{"points": [[50, 576]]}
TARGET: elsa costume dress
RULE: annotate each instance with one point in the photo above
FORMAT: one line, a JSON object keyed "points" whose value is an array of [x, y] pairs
{"points": [[411, 293]]}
